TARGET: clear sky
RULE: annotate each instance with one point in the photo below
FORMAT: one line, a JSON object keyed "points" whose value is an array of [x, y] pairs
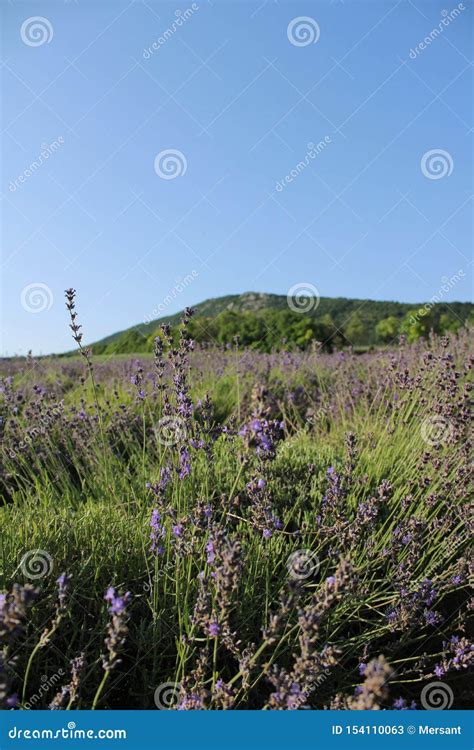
{"points": [[239, 90]]}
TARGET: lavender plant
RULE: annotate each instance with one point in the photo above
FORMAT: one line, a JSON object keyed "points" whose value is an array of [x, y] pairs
{"points": [[193, 479]]}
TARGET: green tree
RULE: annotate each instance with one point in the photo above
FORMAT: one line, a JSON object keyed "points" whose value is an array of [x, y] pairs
{"points": [[328, 334], [354, 330], [418, 323], [449, 324], [387, 329]]}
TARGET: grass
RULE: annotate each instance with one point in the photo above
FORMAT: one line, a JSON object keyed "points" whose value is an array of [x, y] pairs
{"points": [[390, 509]]}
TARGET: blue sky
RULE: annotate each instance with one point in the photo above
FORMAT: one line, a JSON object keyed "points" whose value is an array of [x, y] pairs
{"points": [[239, 89]]}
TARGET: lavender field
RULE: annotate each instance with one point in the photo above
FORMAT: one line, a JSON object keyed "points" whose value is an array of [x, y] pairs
{"points": [[224, 529]]}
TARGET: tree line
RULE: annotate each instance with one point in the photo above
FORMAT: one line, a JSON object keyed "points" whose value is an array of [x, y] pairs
{"points": [[275, 329]]}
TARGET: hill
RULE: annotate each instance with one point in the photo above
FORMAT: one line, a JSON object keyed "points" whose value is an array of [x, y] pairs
{"points": [[266, 321]]}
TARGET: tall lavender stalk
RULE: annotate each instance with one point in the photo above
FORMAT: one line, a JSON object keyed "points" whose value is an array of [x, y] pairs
{"points": [[116, 634], [77, 335]]}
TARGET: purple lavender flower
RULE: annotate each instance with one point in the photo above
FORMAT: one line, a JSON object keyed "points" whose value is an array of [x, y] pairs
{"points": [[63, 586], [265, 434], [191, 702], [214, 629], [13, 611], [431, 618], [211, 553], [157, 533], [427, 592], [400, 704], [117, 629], [184, 462], [117, 604], [159, 491]]}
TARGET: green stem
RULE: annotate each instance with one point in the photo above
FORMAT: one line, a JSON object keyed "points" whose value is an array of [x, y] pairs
{"points": [[42, 642], [99, 690]]}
